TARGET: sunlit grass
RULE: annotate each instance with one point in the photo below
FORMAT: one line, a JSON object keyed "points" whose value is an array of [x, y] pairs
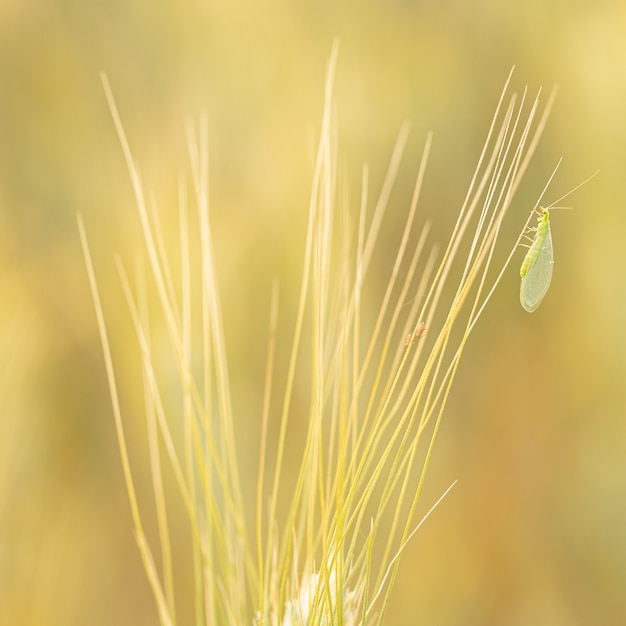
{"points": [[326, 543]]}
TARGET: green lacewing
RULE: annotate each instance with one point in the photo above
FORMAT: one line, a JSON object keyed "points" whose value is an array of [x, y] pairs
{"points": [[536, 270]]}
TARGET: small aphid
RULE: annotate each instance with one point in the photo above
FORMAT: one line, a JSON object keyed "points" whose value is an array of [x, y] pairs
{"points": [[536, 270], [416, 334]]}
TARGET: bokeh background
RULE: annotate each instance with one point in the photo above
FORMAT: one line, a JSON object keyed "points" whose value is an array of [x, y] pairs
{"points": [[535, 530]]}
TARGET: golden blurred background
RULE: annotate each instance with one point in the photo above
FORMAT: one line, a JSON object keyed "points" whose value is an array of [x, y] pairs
{"points": [[535, 433]]}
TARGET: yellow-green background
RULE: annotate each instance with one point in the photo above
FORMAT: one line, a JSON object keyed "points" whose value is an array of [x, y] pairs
{"points": [[535, 530]]}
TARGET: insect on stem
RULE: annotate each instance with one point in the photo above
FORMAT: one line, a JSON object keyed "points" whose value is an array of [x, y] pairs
{"points": [[416, 334]]}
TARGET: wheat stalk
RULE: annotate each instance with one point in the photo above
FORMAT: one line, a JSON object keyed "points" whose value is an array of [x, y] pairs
{"points": [[333, 556]]}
